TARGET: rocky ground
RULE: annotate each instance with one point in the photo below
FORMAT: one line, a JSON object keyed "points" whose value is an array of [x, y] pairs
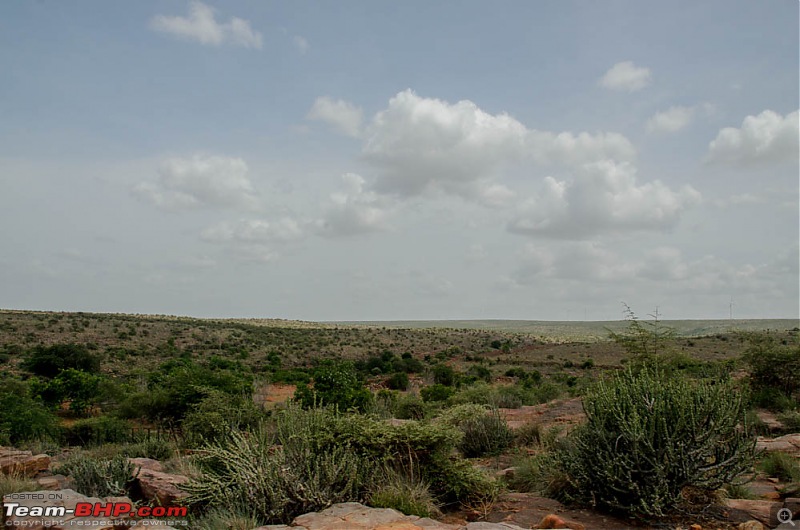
{"points": [[513, 511]]}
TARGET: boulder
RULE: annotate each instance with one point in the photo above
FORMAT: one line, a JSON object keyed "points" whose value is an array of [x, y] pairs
{"points": [[146, 463], [25, 463], [356, 516], [793, 503], [761, 511], [751, 525], [53, 482], [159, 487], [789, 443]]}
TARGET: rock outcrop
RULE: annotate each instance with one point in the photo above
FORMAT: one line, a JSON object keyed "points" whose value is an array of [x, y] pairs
{"points": [[789, 443], [14, 462], [159, 487], [355, 516]]}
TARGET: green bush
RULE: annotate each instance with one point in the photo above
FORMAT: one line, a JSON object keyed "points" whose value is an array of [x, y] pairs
{"points": [[648, 436], [459, 482], [790, 420], [337, 385], [444, 375], [480, 373], [528, 434], [96, 431], [645, 341], [311, 458], [781, 466], [398, 381], [48, 361], [22, 417], [773, 399], [100, 478], [278, 484], [541, 474], [76, 386], [436, 392], [179, 385], [216, 415], [409, 407], [486, 435], [773, 365], [404, 493], [151, 447]]}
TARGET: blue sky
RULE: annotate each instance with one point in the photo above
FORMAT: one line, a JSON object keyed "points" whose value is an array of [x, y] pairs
{"points": [[408, 160]]}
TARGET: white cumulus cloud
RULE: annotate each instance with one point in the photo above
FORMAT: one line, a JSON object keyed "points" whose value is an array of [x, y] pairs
{"points": [[625, 76], [602, 197], [201, 26], [423, 144], [344, 116], [765, 138], [200, 182], [671, 120], [353, 211]]}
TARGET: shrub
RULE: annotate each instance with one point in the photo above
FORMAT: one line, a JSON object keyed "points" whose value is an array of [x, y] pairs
{"points": [[23, 418], [404, 493], [398, 381], [644, 341], [16, 483], [764, 354], [458, 414], [436, 393], [48, 361], [458, 481], [480, 373], [486, 435], [316, 457], [545, 392], [648, 436], [528, 434], [78, 387], [541, 474], [100, 478], [444, 375], [772, 399], [738, 491], [409, 408], [277, 484], [216, 415], [335, 384], [791, 421], [509, 397], [96, 431], [781, 466], [155, 448]]}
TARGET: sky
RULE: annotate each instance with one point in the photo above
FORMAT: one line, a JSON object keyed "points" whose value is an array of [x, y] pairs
{"points": [[354, 160]]}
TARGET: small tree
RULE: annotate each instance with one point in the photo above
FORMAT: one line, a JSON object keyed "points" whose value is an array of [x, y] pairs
{"points": [[335, 384], [48, 361], [644, 340]]}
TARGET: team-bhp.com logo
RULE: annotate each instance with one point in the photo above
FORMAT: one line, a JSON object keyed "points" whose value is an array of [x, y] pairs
{"points": [[120, 512]]}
